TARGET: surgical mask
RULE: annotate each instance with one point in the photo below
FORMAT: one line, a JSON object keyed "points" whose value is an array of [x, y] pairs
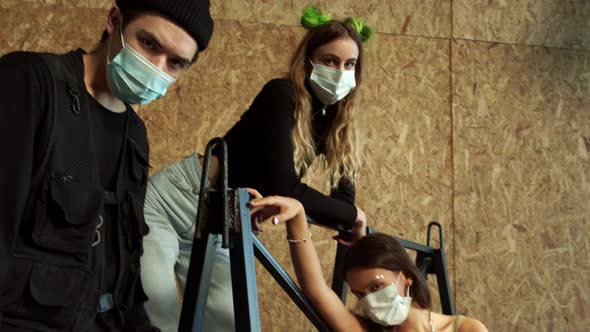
{"points": [[331, 85], [386, 306], [133, 78]]}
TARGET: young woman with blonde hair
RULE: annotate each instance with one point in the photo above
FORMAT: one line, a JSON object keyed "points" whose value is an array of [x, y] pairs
{"points": [[312, 112]]}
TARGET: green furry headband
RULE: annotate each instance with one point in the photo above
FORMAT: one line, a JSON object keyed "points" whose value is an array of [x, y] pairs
{"points": [[313, 17]]}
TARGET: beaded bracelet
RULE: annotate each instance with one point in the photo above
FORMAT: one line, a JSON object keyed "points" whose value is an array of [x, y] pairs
{"points": [[302, 240]]}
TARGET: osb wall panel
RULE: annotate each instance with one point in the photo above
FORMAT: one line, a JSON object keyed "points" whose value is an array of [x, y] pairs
{"points": [[412, 17], [406, 180], [521, 154], [98, 4], [48, 28], [533, 22], [407, 177]]}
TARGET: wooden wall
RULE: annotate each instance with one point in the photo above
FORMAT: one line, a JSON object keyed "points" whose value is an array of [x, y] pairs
{"points": [[476, 113]]}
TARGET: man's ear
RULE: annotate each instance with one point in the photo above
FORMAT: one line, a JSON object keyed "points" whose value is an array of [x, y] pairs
{"points": [[114, 20]]}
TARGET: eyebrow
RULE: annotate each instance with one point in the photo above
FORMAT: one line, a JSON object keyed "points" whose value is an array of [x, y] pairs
{"points": [[355, 291], [146, 34], [371, 284], [337, 57]]}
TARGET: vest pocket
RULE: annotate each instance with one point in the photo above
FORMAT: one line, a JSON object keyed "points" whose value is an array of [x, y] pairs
{"points": [[138, 163], [45, 293], [66, 214], [57, 286]]}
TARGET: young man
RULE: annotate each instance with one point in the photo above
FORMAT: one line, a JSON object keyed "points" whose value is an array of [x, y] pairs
{"points": [[74, 169]]}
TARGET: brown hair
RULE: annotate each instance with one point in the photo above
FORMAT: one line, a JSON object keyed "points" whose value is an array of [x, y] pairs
{"points": [[380, 250], [129, 16], [342, 158]]}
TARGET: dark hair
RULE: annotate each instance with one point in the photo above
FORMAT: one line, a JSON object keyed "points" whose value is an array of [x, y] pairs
{"points": [[129, 16], [384, 251]]}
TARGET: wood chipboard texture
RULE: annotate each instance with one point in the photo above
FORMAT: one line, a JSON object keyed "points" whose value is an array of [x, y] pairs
{"points": [[521, 131], [48, 28], [413, 17], [555, 23]]}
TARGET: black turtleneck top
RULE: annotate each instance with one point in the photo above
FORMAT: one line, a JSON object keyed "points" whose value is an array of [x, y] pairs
{"points": [[260, 154]]}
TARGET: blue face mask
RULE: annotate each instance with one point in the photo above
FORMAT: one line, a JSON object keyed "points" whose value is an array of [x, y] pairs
{"points": [[133, 78]]}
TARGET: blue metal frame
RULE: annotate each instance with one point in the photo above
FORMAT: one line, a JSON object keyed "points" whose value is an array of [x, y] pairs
{"points": [[244, 246], [195, 297], [243, 271]]}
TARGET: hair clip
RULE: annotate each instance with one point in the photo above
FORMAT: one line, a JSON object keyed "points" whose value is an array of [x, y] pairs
{"points": [[361, 28], [313, 17]]}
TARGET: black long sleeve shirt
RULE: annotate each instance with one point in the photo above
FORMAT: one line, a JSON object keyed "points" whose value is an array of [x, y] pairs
{"points": [[260, 153]]}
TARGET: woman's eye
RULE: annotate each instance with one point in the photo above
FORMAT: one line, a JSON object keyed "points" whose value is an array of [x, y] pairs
{"points": [[350, 65], [375, 287]]}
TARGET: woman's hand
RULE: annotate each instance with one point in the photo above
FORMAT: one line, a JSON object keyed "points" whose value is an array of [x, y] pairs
{"points": [[277, 208], [257, 215], [359, 228]]}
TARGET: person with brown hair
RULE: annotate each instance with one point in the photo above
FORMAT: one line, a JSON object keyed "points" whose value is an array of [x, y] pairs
{"points": [[392, 294], [313, 112]]}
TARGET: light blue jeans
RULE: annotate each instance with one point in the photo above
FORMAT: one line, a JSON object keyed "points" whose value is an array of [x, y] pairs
{"points": [[170, 211]]}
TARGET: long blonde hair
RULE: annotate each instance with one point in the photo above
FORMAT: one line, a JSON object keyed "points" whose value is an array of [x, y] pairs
{"points": [[342, 158]]}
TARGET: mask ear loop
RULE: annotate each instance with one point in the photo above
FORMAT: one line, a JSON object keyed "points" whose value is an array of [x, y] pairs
{"points": [[312, 67], [399, 276], [121, 32], [407, 286]]}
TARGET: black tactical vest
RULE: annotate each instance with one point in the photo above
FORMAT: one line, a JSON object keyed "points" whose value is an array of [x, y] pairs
{"points": [[54, 275]]}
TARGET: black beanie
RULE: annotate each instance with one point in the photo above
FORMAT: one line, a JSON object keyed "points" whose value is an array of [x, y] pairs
{"points": [[191, 15]]}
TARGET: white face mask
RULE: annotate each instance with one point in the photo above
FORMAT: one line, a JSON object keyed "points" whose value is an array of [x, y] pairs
{"points": [[331, 85], [386, 306]]}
